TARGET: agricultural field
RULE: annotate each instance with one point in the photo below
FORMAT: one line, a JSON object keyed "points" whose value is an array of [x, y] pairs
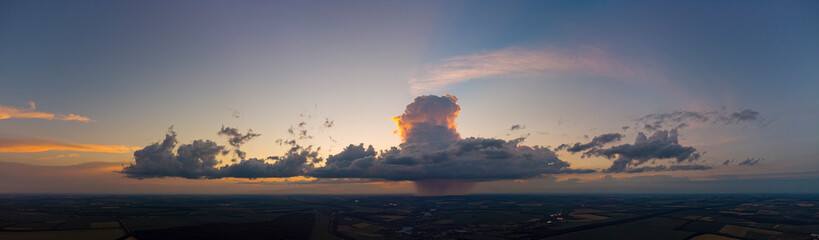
{"points": [[680, 217]]}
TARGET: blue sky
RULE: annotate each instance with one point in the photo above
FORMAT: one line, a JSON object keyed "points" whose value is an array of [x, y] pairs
{"points": [[568, 71]]}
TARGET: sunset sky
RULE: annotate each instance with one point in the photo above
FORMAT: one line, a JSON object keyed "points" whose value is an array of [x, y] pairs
{"points": [[733, 86]]}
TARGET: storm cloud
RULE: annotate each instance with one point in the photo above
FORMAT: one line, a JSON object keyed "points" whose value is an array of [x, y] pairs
{"points": [[198, 160], [433, 149], [428, 123], [296, 162], [194, 160], [662, 144], [466, 159], [432, 154]]}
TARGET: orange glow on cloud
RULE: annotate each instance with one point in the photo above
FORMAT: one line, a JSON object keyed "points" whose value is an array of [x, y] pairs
{"points": [[401, 127], [28, 145], [7, 112], [278, 180], [389, 185], [410, 119]]}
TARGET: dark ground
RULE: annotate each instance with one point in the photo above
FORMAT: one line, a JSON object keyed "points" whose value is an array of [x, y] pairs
{"points": [[696, 217]]}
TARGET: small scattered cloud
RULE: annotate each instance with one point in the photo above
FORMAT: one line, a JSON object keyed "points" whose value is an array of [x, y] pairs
{"points": [[307, 128], [746, 162], [234, 113], [751, 161], [597, 142], [7, 112], [328, 123], [517, 127], [236, 139]]}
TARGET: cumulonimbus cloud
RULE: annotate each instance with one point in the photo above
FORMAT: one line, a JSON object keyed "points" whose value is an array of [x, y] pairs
{"points": [[42, 145], [432, 150], [467, 159], [662, 144], [7, 112], [519, 62], [432, 154], [429, 122]]}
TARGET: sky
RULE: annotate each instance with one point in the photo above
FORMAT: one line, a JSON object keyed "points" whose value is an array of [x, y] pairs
{"points": [[472, 97]]}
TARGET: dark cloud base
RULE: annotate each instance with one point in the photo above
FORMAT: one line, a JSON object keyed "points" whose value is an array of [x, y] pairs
{"points": [[627, 157], [197, 160], [432, 151], [477, 159]]}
